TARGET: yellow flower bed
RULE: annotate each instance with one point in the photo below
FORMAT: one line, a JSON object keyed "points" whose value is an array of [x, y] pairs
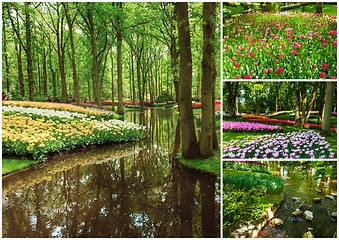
{"points": [[312, 112], [55, 106], [254, 116], [27, 135]]}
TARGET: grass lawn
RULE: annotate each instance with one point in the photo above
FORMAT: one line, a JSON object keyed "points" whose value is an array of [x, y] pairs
{"points": [[327, 9], [211, 164], [10, 165], [229, 11]]}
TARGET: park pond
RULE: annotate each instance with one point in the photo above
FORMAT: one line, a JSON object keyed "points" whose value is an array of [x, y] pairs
{"points": [[119, 190], [302, 186]]}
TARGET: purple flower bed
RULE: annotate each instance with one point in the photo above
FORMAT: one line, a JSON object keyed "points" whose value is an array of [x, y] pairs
{"points": [[249, 127], [291, 145]]}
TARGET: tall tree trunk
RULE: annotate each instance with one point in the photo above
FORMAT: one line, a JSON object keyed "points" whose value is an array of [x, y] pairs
{"points": [[112, 74], [133, 84], [303, 103], [29, 53], [198, 87], [319, 8], [310, 104], [52, 71], [298, 121], [6, 56], [21, 74], [95, 68], [321, 102], [44, 68], [141, 99], [174, 56], [326, 127], [190, 147], [207, 104], [232, 89], [119, 63], [70, 23]]}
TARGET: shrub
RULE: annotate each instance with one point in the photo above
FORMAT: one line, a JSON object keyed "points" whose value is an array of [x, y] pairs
{"points": [[240, 206], [274, 184], [251, 166], [163, 97]]}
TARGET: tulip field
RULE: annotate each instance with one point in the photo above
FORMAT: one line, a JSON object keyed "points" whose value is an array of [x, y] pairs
{"points": [[36, 129], [285, 45], [249, 127]]}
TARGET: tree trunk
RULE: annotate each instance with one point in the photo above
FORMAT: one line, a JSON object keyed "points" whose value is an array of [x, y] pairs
{"points": [[133, 84], [119, 63], [141, 99], [44, 68], [207, 105], [112, 73], [319, 8], [303, 103], [310, 104], [29, 53], [321, 102], [52, 71], [298, 122], [95, 68], [190, 148], [326, 127], [6, 56], [21, 74], [174, 57], [198, 87], [75, 75], [232, 89]]}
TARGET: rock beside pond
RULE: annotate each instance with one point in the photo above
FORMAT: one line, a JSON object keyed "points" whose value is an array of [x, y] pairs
{"points": [[297, 213], [277, 221], [310, 229], [308, 235], [334, 214], [319, 191], [302, 206], [330, 197], [296, 199], [317, 199], [308, 215]]}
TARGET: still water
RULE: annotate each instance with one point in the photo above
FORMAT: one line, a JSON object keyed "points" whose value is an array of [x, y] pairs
{"points": [[303, 185], [122, 190]]}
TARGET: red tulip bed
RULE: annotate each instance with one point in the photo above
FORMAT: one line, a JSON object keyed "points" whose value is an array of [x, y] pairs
{"points": [[285, 45], [284, 122]]}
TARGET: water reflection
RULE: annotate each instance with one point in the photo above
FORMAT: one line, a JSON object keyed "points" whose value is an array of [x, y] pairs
{"points": [[303, 185], [126, 190]]}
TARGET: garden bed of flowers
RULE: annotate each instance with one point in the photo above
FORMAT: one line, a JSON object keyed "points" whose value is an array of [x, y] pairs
{"points": [[249, 127], [285, 123], [35, 133], [291, 145], [55, 106], [288, 45]]}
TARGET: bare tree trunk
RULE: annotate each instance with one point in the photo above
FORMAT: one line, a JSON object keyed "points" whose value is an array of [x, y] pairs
{"points": [[310, 104], [207, 104], [21, 75], [112, 74], [326, 127], [29, 53], [190, 147], [119, 63], [44, 68], [75, 75]]}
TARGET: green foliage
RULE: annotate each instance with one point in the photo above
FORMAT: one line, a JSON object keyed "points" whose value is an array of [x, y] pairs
{"points": [[241, 206], [274, 184], [245, 167], [163, 97], [10, 165]]}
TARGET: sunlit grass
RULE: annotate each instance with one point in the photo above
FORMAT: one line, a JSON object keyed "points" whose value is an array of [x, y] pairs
{"points": [[10, 165]]}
